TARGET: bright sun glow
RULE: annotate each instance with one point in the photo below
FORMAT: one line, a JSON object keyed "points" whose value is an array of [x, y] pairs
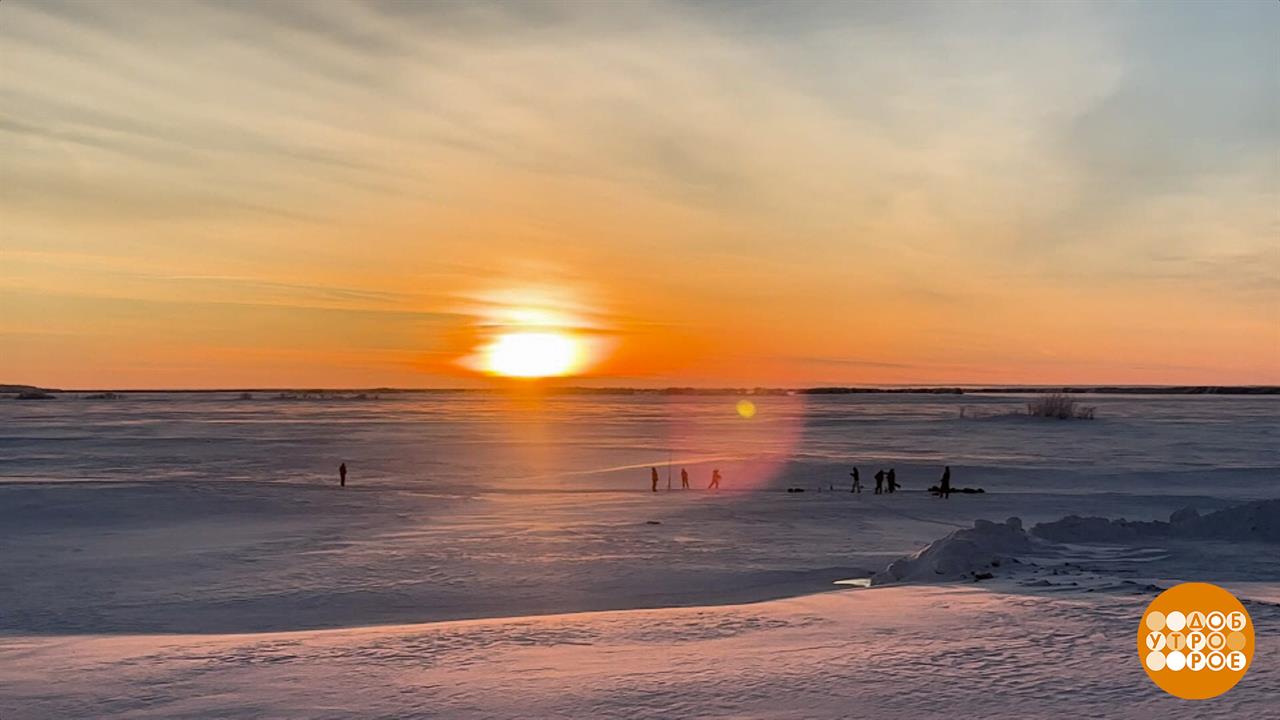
{"points": [[534, 354]]}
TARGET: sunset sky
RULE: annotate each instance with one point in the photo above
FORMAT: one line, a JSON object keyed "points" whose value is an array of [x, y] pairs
{"points": [[243, 194]]}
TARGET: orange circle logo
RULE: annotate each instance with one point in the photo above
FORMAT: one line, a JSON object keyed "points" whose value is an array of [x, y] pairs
{"points": [[1195, 641]]}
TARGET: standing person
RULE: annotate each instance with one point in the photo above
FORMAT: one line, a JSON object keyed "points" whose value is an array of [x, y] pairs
{"points": [[654, 472], [857, 482], [684, 479], [342, 475], [944, 485], [715, 480], [892, 480], [879, 481]]}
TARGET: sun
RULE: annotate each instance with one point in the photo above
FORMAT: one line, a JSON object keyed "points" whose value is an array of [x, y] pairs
{"points": [[534, 354]]}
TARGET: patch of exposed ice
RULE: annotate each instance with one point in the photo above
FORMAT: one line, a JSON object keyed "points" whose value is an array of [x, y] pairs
{"points": [[855, 582]]}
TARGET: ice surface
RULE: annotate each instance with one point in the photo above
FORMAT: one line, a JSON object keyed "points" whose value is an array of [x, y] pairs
{"points": [[1214, 446], [191, 556]]}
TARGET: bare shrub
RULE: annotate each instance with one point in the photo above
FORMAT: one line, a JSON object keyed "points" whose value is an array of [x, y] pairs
{"points": [[1059, 405]]}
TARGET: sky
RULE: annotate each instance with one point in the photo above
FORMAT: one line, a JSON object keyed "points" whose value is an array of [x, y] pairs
{"points": [[336, 194]]}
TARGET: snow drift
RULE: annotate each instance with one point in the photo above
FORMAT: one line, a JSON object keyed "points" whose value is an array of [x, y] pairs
{"points": [[968, 553], [1257, 521], [977, 553]]}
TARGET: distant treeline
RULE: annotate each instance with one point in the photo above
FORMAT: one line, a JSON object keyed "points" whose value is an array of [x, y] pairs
{"points": [[22, 389], [956, 390], [1093, 389]]}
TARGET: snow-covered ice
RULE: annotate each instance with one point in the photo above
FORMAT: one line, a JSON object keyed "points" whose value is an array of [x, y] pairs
{"points": [[897, 652], [189, 556]]}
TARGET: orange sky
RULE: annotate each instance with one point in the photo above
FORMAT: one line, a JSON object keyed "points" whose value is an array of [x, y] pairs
{"points": [[335, 194]]}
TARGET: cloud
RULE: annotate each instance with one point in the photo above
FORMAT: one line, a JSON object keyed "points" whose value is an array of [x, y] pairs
{"points": [[740, 170]]}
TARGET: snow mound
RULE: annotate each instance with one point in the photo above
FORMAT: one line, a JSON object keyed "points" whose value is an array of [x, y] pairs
{"points": [[1076, 529], [969, 553], [1257, 521]]}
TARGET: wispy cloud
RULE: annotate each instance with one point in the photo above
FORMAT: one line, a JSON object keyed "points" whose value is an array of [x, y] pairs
{"points": [[742, 172]]}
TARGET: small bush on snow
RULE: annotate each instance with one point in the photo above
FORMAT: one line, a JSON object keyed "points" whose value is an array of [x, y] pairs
{"points": [[1059, 405]]}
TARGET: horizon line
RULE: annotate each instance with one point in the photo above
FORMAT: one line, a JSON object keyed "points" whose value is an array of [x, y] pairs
{"points": [[923, 388]]}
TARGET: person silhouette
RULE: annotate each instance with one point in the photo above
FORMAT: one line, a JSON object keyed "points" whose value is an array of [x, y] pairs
{"points": [[342, 475], [857, 482], [944, 485], [684, 479], [715, 480], [891, 479], [879, 482], [654, 472]]}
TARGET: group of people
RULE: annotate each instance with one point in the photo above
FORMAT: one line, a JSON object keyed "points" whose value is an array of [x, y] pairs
{"points": [[684, 479], [887, 482]]}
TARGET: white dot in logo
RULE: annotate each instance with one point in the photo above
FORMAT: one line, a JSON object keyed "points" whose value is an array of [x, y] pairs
{"points": [[1217, 661], [1217, 641], [1155, 620], [1216, 620], [1236, 621], [1196, 641], [1236, 661], [1155, 661], [1196, 661], [1175, 661], [1175, 621]]}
